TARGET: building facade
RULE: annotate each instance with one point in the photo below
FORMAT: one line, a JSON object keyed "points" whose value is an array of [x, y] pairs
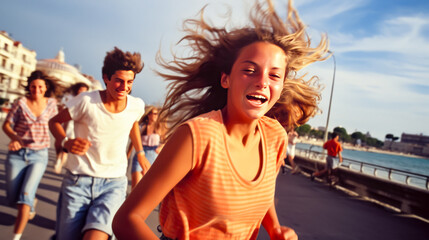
{"points": [[16, 64], [65, 73], [417, 144]]}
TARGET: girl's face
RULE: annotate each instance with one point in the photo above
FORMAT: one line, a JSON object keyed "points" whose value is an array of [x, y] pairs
{"points": [[256, 80], [38, 88], [153, 115]]}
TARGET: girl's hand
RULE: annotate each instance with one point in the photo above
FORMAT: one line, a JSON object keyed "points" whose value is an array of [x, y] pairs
{"points": [[15, 145], [284, 233]]}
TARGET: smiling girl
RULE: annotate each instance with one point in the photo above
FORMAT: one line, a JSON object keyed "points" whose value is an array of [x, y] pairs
{"points": [[226, 104], [27, 127]]}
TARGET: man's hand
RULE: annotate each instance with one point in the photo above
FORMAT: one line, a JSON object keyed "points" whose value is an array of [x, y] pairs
{"points": [[78, 146], [144, 163]]}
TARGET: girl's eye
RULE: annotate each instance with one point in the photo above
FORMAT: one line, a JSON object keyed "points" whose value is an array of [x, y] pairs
{"points": [[249, 71], [276, 76]]}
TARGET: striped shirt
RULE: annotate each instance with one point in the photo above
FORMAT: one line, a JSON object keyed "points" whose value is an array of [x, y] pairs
{"points": [[34, 131], [213, 201]]}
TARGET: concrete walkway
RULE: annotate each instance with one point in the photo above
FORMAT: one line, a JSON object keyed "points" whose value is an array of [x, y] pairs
{"points": [[313, 209], [317, 211]]}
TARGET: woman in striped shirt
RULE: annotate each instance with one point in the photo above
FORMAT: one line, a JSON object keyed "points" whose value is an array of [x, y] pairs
{"points": [[27, 127], [226, 104]]}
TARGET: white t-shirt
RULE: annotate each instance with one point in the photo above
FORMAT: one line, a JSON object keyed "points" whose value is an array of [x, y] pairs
{"points": [[108, 133]]}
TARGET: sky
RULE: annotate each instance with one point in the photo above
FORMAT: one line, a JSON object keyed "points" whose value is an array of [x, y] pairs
{"points": [[380, 49]]}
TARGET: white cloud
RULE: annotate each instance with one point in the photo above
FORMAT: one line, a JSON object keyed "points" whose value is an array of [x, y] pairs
{"points": [[400, 35], [315, 12]]}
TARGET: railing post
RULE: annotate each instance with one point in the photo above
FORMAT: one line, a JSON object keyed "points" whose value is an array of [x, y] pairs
{"points": [[427, 183], [390, 174], [407, 180]]}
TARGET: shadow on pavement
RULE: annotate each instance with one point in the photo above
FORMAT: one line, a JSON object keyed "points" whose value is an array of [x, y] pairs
{"points": [[6, 219], [43, 222]]}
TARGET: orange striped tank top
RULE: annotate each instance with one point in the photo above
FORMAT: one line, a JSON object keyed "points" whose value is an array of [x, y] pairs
{"points": [[213, 201]]}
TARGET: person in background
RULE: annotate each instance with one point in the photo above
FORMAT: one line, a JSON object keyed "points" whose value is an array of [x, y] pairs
{"points": [[292, 136], [152, 135], [95, 181], [73, 91], [227, 103], [334, 148], [27, 127]]}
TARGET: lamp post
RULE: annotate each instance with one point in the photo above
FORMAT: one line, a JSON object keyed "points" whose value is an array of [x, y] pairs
{"points": [[325, 137]]}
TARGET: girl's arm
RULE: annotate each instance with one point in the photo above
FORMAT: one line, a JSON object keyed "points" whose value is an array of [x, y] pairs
{"points": [[172, 164], [130, 148], [159, 148], [16, 141], [273, 227]]}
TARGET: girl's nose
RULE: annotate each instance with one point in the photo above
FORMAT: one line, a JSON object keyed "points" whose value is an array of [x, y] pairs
{"points": [[262, 81]]}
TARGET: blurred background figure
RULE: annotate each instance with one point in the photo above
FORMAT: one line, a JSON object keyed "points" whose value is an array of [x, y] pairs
{"points": [[334, 149], [292, 137], [152, 135], [72, 92], [292, 140], [27, 126]]}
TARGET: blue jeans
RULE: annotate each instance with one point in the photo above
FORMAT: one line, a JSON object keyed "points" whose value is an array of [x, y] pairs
{"points": [[24, 171], [86, 203], [150, 154]]}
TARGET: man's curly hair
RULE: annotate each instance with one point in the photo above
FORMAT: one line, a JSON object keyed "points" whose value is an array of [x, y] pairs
{"points": [[118, 60]]}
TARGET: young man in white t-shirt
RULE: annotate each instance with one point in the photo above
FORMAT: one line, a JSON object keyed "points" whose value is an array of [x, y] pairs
{"points": [[95, 182]]}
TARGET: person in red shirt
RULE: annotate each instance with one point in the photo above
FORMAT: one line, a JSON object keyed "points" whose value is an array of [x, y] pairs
{"points": [[334, 148]]}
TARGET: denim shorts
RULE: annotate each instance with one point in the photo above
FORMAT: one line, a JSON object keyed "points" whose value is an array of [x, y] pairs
{"points": [[88, 203], [150, 154], [24, 171], [329, 162]]}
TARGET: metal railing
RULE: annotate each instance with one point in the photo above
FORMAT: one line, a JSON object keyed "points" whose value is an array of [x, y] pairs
{"points": [[392, 174]]}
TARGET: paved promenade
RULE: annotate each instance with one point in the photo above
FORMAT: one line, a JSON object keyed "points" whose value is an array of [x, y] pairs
{"points": [[313, 209]]}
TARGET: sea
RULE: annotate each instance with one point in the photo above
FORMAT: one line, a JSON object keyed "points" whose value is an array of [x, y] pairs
{"points": [[405, 163]]}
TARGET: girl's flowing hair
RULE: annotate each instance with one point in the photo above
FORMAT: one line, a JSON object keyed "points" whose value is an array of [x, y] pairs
{"points": [[195, 88]]}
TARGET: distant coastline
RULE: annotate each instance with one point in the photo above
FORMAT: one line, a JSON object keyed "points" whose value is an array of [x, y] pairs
{"points": [[349, 146]]}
